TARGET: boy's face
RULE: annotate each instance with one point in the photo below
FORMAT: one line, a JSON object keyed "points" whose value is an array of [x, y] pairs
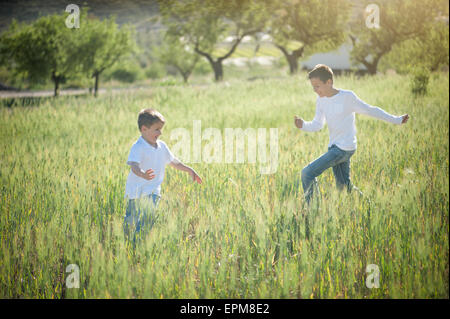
{"points": [[151, 134], [322, 88]]}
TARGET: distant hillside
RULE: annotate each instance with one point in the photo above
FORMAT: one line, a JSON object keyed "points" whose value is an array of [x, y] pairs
{"points": [[130, 11]]}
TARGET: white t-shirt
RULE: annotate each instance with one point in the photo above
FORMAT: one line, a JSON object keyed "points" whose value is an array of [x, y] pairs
{"points": [[339, 113], [148, 157]]}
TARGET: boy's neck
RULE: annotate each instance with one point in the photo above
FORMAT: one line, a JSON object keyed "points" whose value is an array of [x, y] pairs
{"points": [[332, 92], [155, 145]]}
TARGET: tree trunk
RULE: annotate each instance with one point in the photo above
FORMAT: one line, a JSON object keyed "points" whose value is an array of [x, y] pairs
{"points": [[186, 76], [56, 80], [218, 70], [96, 75], [217, 65], [372, 67], [292, 58], [56, 91], [184, 73], [293, 64]]}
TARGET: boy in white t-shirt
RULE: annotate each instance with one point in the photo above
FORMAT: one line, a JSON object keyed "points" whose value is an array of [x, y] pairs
{"points": [[147, 159], [337, 108]]}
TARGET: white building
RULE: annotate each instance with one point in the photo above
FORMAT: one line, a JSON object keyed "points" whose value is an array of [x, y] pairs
{"points": [[338, 59]]}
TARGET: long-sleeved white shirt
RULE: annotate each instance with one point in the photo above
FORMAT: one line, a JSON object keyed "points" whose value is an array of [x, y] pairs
{"points": [[339, 113]]}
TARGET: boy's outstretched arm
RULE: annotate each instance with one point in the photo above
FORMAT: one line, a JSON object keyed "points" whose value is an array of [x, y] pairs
{"points": [[148, 174], [180, 166], [362, 107], [315, 125]]}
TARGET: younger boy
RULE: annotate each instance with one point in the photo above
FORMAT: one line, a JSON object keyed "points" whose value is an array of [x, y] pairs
{"points": [[337, 107], [147, 159]]}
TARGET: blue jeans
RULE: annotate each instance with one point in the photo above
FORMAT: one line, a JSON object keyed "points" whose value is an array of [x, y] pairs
{"points": [[336, 158], [140, 212]]}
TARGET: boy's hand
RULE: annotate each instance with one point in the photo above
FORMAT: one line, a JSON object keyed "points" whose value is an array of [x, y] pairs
{"points": [[405, 118], [195, 177], [148, 175], [298, 121]]}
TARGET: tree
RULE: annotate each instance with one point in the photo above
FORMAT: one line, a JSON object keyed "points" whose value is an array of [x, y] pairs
{"points": [[41, 50], [400, 20], [102, 45], [429, 51], [179, 54], [315, 25], [205, 23], [433, 48]]}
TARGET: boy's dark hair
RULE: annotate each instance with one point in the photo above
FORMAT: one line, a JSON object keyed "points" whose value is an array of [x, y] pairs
{"points": [[148, 117], [321, 71]]}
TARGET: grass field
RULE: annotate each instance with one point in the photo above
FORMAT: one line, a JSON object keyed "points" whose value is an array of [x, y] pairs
{"points": [[240, 234]]}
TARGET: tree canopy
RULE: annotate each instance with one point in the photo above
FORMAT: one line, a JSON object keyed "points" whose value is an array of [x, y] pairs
{"points": [[205, 23], [315, 25], [102, 44], [47, 48], [400, 20], [41, 50], [180, 54]]}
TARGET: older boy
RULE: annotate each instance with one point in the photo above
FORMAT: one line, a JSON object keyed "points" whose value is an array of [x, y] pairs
{"points": [[147, 159], [337, 107]]}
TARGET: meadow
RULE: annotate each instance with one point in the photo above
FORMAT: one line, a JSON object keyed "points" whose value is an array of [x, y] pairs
{"points": [[240, 234]]}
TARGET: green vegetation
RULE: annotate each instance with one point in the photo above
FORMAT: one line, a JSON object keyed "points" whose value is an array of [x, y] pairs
{"points": [[297, 20], [177, 35], [48, 49], [240, 234], [204, 24], [400, 21]]}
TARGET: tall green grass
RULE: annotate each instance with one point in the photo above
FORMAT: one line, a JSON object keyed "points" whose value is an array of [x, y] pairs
{"points": [[240, 234]]}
